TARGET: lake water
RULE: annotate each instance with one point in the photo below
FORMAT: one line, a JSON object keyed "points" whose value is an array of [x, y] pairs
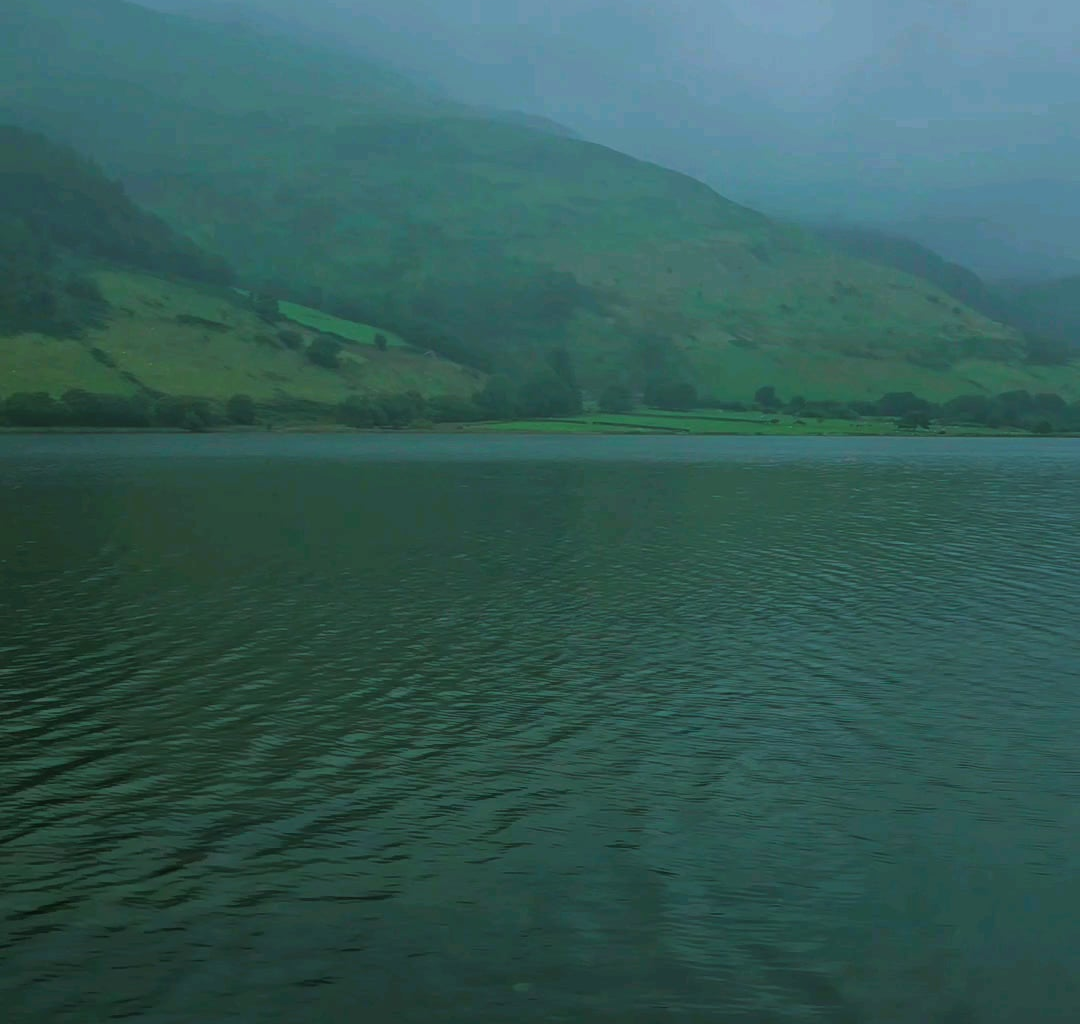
{"points": [[398, 729]]}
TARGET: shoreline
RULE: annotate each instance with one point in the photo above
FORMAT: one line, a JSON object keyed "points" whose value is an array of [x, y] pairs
{"points": [[485, 430]]}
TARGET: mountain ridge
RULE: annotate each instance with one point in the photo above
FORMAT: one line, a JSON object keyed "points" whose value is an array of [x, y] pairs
{"points": [[469, 234]]}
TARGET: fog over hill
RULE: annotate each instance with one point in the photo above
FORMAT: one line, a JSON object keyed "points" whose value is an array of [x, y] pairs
{"points": [[956, 122]]}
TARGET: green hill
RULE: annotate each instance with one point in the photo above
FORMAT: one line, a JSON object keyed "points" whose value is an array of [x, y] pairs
{"points": [[167, 337], [1050, 309], [100, 297], [487, 239]]}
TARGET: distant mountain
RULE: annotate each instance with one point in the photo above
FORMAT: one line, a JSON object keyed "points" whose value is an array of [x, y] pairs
{"points": [[1048, 312], [1048, 308], [488, 239], [890, 250]]}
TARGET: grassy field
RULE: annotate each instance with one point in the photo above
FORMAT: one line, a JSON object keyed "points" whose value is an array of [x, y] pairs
{"points": [[709, 422], [185, 340], [348, 330]]}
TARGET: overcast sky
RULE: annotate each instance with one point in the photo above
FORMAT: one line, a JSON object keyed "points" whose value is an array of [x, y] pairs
{"points": [[822, 107]]}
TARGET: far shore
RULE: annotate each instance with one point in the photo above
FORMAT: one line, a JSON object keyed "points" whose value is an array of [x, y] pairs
{"points": [[532, 429]]}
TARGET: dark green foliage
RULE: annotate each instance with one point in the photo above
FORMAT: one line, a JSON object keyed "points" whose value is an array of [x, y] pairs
{"points": [[198, 321], [59, 212], [616, 398], [562, 365], [381, 342], [78, 408], [835, 410], [420, 333], [544, 393], [32, 409], [265, 305], [1013, 409], [498, 399], [192, 414], [83, 409], [672, 395], [403, 409], [396, 410], [67, 203], [324, 352], [496, 301], [450, 409], [240, 409], [1044, 351], [37, 291], [767, 399], [968, 409], [900, 403], [362, 412], [1042, 427], [291, 339], [913, 420]]}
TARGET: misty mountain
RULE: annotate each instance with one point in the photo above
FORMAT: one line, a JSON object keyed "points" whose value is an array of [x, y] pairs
{"points": [[491, 240], [910, 116], [59, 215]]}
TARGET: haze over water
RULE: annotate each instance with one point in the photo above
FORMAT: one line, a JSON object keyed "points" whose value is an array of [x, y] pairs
{"points": [[482, 730]]}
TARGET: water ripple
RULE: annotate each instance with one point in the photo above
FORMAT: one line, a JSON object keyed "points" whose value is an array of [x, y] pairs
{"points": [[483, 730]]}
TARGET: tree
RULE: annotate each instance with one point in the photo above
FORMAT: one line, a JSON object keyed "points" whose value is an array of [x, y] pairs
{"points": [[913, 420], [291, 339], [562, 365], [899, 403], [241, 409], [767, 398], [380, 342], [33, 409], [323, 351], [545, 394], [85, 409], [497, 399], [616, 398], [672, 395], [187, 413], [967, 409], [265, 306], [362, 412]]}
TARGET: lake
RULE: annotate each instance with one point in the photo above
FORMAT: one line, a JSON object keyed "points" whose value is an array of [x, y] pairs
{"points": [[482, 730]]}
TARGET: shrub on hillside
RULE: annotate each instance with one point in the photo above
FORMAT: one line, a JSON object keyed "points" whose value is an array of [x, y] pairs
{"points": [[671, 395], [767, 399], [85, 409], [324, 352], [451, 409], [616, 398], [266, 307], [240, 409], [192, 414], [546, 394], [32, 409]]}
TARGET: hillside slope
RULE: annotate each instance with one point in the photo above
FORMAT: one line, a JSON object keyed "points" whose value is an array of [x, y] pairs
{"points": [[167, 337], [481, 238], [99, 296]]}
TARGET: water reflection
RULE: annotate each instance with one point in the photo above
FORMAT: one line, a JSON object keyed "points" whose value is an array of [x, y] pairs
{"points": [[476, 731]]}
